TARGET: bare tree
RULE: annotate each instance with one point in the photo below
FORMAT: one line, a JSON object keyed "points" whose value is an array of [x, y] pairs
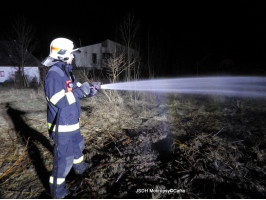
{"points": [[21, 46], [128, 29], [117, 65], [149, 58]]}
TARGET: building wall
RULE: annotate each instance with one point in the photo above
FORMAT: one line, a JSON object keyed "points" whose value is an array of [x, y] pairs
{"points": [[85, 57], [7, 73]]}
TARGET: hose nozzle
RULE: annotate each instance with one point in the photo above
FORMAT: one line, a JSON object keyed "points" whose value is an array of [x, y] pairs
{"points": [[95, 85]]}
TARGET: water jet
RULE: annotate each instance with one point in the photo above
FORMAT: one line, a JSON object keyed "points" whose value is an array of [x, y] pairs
{"points": [[238, 86]]}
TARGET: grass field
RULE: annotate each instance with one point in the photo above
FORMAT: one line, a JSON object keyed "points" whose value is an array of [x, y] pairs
{"points": [[203, 146]]}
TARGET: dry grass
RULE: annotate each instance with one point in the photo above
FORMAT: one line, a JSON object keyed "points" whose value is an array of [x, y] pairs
{"points": [[18, 178], [216, 144], [100, 115]]}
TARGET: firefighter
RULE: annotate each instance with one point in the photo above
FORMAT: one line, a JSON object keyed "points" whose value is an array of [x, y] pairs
{"points": [[63, 94]]}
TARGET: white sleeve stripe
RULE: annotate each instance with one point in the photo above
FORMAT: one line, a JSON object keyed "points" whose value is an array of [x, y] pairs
{"points": [[57, 96], [70, 97]]}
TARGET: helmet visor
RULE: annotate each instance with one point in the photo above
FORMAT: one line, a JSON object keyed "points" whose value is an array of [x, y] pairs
{"points": [[49, 61]]}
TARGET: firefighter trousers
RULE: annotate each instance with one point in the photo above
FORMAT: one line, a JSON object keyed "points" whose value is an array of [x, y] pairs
{"points": [[69, 154]]}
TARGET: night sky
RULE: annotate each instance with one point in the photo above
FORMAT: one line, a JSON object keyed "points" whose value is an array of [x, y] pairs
{"points": [[189, 37]]}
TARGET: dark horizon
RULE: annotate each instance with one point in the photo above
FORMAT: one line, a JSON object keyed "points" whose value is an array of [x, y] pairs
{"points": [[192, 37]]}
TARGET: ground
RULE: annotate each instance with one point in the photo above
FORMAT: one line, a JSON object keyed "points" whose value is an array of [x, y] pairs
{"points": [[142, 145]]}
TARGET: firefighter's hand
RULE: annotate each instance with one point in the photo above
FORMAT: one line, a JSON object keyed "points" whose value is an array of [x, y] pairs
{"points": [[86, 88], [95, 86]]}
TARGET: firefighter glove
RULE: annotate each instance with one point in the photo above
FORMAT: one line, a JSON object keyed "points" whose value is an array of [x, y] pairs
{"points": [[86, 88], [95, 86]]}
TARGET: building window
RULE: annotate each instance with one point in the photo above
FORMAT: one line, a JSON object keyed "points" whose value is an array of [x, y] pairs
{"points": [[2, 74], [94, 58], [107, 55]]}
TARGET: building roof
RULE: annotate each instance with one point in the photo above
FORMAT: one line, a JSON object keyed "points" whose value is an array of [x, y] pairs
{"points": [[8, 57]]}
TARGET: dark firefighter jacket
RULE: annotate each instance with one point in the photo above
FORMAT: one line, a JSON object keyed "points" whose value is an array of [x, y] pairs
{"points": [[62, 92]]}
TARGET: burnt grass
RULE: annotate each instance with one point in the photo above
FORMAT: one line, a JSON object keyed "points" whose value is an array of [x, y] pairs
{"points": [[207, 149], [200, 147]]}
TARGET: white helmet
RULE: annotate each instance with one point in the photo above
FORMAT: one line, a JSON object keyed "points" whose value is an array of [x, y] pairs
{"points": [[61, 48]]}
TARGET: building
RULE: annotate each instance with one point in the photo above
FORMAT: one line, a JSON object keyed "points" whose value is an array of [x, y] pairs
{"points": [[9, 67], [97, 55]]}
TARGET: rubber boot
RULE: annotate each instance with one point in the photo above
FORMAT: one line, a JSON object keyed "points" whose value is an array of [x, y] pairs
{"points": [[61, 191]]}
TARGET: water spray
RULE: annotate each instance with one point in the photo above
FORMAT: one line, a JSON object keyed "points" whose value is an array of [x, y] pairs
{"points": [[238, 86]]}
